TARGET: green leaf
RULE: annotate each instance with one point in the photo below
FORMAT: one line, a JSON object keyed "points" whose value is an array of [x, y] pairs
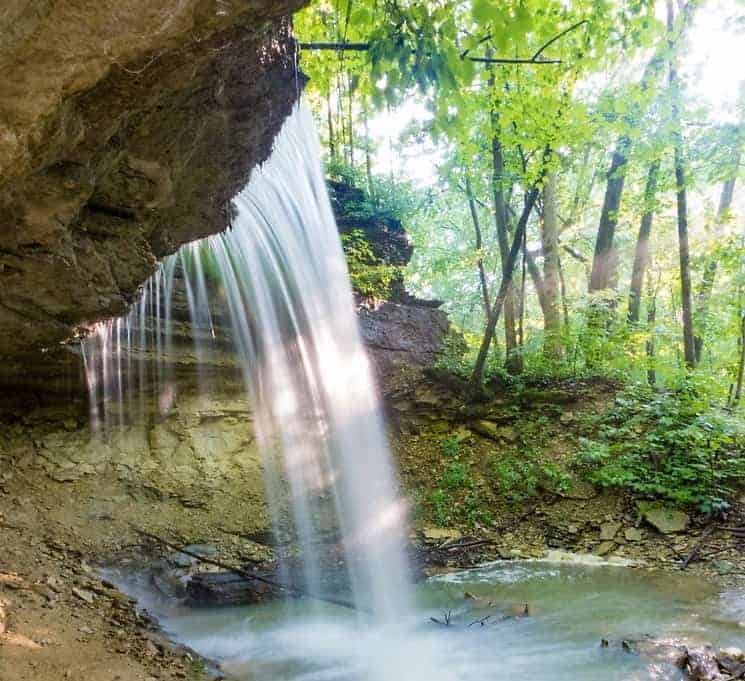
{"points": [[482, 11]]}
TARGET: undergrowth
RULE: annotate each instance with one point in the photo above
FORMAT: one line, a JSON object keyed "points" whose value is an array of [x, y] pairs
{"points": [[672, 445]]}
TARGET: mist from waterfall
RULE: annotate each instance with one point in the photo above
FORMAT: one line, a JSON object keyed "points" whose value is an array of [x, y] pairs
{"points": [[281, 274]]}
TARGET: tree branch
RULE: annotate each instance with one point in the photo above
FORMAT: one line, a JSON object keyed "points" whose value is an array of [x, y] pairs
{"points": [[557, 37], [364, 47]]}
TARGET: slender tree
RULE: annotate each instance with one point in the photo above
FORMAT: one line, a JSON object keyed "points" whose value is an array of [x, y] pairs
{"points": [[476, 382], [605, 261], [479, 244], [551, 275], [641, 253], [513, 359], [684, 252]]}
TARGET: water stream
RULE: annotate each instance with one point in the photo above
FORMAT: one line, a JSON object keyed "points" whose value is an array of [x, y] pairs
{"points": [[572, 608]]}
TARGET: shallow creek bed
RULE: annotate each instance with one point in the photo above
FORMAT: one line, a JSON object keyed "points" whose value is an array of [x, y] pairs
{"points": [[533, 620]]}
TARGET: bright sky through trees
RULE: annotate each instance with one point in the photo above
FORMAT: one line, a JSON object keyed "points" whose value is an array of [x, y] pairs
{"points": [[712, 64]]}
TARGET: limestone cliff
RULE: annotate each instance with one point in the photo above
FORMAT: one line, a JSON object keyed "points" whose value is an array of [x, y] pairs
{"points": [[125, 128]]}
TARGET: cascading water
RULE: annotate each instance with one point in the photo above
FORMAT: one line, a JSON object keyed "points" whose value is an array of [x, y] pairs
{"points": [[281, 273]]}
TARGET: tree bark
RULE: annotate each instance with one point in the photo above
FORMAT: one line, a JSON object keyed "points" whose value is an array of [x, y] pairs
{"points": [[689, 353], [605, 260], [710, 269], [551, 281], [513, 357], [641, 254], [476, 382]]}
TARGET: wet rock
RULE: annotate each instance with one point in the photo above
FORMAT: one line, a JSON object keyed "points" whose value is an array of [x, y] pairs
{"points": [[403, 339], [732, 661], [181, 560], [663, 518], [702, 665], [608, 531], [95, 185]]}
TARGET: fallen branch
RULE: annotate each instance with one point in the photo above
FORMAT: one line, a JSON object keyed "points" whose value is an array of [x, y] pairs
{"points": [[287, 588], [699, 545], [480, 622]]}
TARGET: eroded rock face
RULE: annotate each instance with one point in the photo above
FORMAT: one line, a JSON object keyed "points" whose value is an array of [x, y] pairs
{"points": [[402, 340], [125, 128]]}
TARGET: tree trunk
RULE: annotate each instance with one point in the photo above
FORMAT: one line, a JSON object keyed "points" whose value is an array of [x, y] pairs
{"points": [[476, 382], [641, 255], [710, 270], [537, 277], [564, 302], [480, 262], [651, 320], [551, 281], [330, 123], [513, 358], [605, 260], [682, 202], [741, 366]]}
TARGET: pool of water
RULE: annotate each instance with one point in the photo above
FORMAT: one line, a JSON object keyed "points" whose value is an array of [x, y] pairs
{"points": [[572, 607]]}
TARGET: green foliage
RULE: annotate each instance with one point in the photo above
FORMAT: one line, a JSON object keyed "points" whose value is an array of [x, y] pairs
{"points": [[519, 479], [442, 507], [456, 476], [382, 198], [450, 446], [369, 277], [671, 445]]}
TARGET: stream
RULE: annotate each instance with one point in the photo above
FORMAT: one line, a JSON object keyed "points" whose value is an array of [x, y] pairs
{"points": [[572, 607]]}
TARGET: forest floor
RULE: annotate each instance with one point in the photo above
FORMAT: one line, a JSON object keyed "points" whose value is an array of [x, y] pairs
{"points": [[500, 479], [472, 501]]}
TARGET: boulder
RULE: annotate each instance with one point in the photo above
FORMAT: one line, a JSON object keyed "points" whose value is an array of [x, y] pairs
{"points": [[663, 518]]}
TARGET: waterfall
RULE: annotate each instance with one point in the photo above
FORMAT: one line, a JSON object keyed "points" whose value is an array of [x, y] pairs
{"points": [[281, 274]]}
